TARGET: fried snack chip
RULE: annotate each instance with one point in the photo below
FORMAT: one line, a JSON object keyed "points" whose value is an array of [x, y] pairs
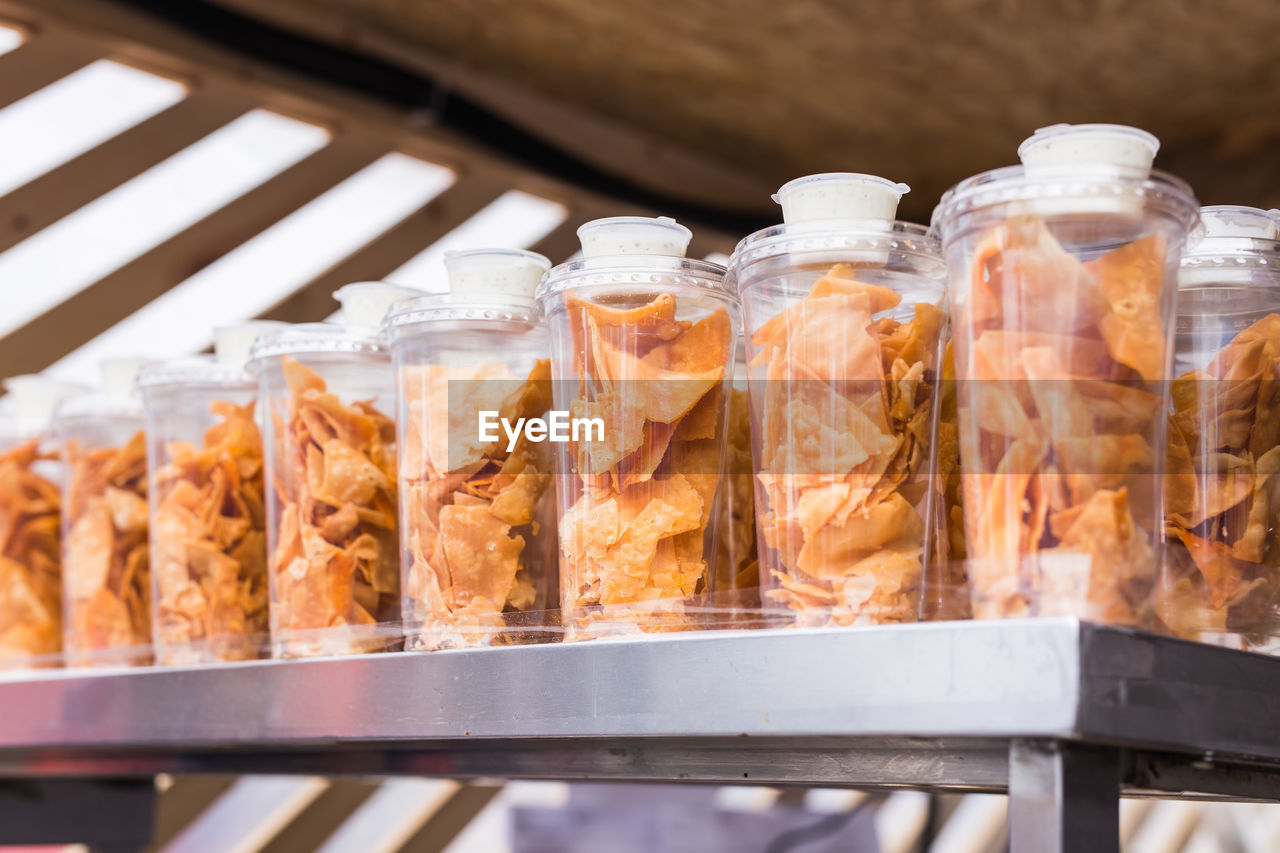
{"points": [[105, 556], [1058, 417], [477, 522], [208, 545], [1223, 495], [336, 575], [634, 538], [30, 560], [847, 420]]}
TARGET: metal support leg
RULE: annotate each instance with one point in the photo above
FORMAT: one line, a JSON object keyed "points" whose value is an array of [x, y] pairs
{"points": [[106, 814], [1063, 798]]}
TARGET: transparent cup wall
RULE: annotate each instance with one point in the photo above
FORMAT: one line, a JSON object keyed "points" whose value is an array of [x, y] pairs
{"points": [[106, 580], [844, 348], [31, 550], [1222, 487], [649, 353], [1062, 296], [736, 601], [946, 589], [208, 522], [477, 518], [333, 555]]}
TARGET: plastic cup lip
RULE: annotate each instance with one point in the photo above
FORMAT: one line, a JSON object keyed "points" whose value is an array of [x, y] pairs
{"points": [[1018, 184], [1258, 224], [97, 405], [834, 228], [1096, 131], [1221, 250], [659, 227], [486, 307], [655, 273], [869, 238], [203, 371], [316, 339]]}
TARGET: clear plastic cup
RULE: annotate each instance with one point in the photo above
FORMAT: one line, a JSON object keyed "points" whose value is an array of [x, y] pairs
{"points": [[477, 507], [1063, 284], [208, 512], [1222, 485], [845, 319], [332, 561], [106, 579], [31, 548], [642, 354]]}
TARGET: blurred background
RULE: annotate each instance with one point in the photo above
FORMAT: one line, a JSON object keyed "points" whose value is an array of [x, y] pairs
{"points": [[166, 167]]}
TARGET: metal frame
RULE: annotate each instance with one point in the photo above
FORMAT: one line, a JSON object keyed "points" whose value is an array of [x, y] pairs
{"points": [[1065, 716]]}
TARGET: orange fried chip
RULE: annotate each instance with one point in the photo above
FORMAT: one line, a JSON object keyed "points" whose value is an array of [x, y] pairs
{"points": [[1122, 562], [335, 581], [30, 560], [847, 421], [1131, 278], [483, 558], [1057, 424], [208, 544], [630, 563], [1223, 491], [105, 561], [469, 571], [634, 535], [843, 279]]}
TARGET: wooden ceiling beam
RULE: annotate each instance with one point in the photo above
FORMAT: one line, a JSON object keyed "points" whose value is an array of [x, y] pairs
{"points": [[56, 193], [450, 819], [42, 59], [314, 300], [136, 38], [562, 241], [321, 817], [114, 297]]}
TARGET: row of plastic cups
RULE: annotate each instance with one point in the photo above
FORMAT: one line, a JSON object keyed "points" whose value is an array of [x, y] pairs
{"points": [[1048, 451], [1072, 445], [502, 522], [198, 527]]}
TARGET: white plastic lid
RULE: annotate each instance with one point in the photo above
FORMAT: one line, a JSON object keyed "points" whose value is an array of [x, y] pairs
{"points": [[1063, 146], [839, 195], [231, 344], [32, 397], [634, 235], [510, 273], [365, 303], [119, 376], [1229, 220]]}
